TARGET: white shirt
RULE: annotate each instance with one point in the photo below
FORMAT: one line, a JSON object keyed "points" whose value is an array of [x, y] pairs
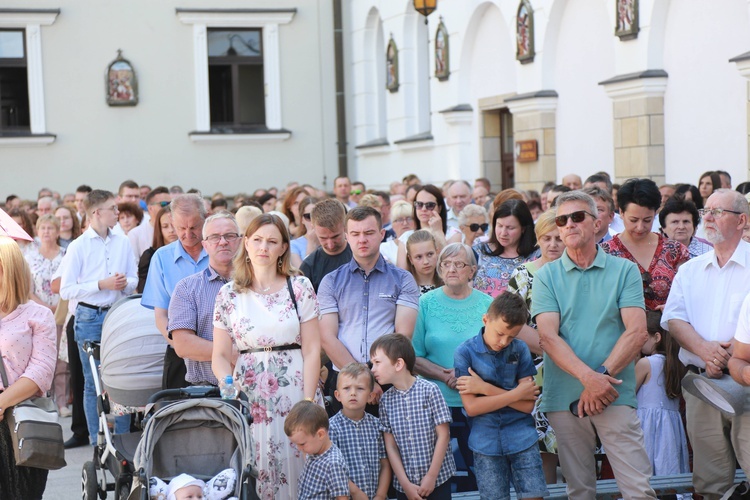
{"points": [[709, 297], [91, 258], [743, 324], [141, 238], [452, 220]]}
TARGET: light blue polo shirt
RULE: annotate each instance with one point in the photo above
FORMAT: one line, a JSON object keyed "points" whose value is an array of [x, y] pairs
{"points": [[589, 302], [168, 266]]}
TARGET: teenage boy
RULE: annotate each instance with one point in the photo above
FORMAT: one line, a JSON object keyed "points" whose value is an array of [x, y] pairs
{"points": [[495, 380], [97, 271], [357, 434], [415, 421], [325, 476]]}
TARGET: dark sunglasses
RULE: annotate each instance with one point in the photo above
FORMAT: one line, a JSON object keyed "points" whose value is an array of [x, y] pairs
{"points": [[429, 205], [476, 227], [577, 217], [162, 204], [307, 216], [648, 292]]}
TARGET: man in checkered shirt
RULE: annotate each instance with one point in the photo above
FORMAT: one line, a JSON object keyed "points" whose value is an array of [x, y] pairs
{"points": [[415, 420], [325, 476]]}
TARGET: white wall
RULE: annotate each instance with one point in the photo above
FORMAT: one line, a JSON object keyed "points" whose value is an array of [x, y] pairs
{"points": [[102, 146]]}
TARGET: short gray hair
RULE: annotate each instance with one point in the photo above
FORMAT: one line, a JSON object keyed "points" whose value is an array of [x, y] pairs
{"points": [[576, 196], [217, 216], [454, 249], [472, 210], [187, 204], [739, 202]]}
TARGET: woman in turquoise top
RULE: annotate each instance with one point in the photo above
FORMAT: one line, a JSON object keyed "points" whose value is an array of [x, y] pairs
{"points": [[448, 316]]}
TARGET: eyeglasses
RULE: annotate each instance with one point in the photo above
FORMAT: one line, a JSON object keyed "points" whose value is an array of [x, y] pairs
{"points": [[355, 191], [429, 205], [476, 227], [648, 292], [577, 217], [716, 213], [216, 238], [113, 208], [307, 216], [404, 220], [162, 204], [447, 264]]}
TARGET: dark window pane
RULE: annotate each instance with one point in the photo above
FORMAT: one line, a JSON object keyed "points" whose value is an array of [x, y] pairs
{"points": [[252, 107], [14, 99], [228, 43], [220, 93], [11, 44]]}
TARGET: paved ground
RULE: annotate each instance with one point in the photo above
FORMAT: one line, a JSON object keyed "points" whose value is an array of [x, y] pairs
{"points": [[65, 484]]}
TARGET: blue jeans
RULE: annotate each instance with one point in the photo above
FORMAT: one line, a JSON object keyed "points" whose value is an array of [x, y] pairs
{"points": [[524, 469], [88, 327]]}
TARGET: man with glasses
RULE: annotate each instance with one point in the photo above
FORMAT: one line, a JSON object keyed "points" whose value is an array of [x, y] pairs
{"points": [[141, 237], [169, 265], [365, 298], [702, 313], [590, 313], [191, 308], [328, 221], [98, 269]]}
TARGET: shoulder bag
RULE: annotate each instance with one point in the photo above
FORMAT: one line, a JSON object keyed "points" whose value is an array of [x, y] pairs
{"points": [[35, 431]]}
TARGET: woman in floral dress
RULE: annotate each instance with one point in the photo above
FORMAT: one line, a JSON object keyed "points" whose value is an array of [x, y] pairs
{"points": [[278, 339]]}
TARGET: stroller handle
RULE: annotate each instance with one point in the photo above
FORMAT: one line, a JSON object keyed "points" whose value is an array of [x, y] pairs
{"points": [[192, 392]]}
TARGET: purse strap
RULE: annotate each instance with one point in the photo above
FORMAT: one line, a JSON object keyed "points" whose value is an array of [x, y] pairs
{"points": [[291, 295], [2, 372]]}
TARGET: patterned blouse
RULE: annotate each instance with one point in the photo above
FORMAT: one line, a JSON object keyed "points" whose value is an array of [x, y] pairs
{"points": [[493, 272], [667, 258], [698, 246], [521, 282], [42, 270]]}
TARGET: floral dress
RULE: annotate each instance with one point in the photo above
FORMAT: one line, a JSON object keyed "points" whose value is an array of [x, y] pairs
{"points": [[42, 270], [493, 272], [271, 380]]}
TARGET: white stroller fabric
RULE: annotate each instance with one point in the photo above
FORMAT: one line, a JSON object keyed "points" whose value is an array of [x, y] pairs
{"points": [[131, 353]]}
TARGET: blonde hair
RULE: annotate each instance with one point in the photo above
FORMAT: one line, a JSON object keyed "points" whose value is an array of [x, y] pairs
{"points": [[400, 209], [545, 223], [48, 219], [15, 276], [245, 216], [370, 200], [243, 268]]}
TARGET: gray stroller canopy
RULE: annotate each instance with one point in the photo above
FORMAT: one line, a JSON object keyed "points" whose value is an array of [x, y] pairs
{"points": [[131, 353]]}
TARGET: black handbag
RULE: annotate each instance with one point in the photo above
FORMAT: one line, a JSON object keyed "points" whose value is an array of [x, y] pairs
{"points": [[35, 431]]}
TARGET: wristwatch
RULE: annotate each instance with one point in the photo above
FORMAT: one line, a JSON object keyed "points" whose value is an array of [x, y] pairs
{"points": [[603, 370]]}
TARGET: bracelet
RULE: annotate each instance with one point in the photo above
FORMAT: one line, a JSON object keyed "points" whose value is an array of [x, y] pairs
{"points": [[309, 399]]}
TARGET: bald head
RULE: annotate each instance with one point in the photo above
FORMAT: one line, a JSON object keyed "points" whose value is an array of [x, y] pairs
{"points": [[572, 181]]}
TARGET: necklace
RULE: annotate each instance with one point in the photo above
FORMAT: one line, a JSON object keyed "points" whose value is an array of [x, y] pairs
{"points": [[264, 290]]}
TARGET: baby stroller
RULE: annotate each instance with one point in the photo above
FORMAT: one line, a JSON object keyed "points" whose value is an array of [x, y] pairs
{"points": [[132, 362], [201, 437]]}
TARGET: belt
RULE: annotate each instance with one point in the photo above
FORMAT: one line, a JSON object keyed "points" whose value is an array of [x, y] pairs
{"points": [[268, 348], [98, 308], [701, 371]]}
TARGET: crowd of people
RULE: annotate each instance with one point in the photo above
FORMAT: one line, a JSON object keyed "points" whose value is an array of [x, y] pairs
{"points": [[371, 328]]}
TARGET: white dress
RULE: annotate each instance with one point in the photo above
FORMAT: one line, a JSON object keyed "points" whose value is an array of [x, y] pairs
{"points": [[272, 380]]}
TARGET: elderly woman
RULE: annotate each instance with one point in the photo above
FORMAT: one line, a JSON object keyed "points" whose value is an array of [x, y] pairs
{"points": [[271, 317], [448, 316], [403, 221], [473, 221], [28, 352], [44, 259], [307, 242], [657, 257], [679, 219]]}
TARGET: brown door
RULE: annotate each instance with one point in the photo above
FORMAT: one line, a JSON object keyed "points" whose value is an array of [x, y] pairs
{"points": [[507, 165]]}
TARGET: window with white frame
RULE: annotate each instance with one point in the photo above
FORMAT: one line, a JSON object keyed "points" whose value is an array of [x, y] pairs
{"points": [[22, 115], [237, 73]]}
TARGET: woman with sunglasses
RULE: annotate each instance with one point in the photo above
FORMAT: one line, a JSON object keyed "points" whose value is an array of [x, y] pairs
{"points": [[430, 214], [512, 242], [306, 241], [657, 257], [473, 221]]}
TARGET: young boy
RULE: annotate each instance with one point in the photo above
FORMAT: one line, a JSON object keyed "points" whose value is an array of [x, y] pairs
{"points": [[325, 476], [357, 434], [494, 371], [415, 421]]}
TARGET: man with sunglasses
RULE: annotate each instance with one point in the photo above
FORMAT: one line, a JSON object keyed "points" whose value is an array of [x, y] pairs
{"points": [[141, 237], [591, 318], [702, 313], [191, 308]]}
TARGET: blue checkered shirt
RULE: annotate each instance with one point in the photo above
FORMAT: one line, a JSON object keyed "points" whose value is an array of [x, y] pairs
{"points": [[361, 443], [411, 416], [366, 303], [192, 308], [325, 476]]}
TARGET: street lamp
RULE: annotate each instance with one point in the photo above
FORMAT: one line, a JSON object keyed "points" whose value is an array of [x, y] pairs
{"points": [[425, 7]]}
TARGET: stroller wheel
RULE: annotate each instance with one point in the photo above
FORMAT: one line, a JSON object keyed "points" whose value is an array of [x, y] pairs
{"points": [[89, 484]]}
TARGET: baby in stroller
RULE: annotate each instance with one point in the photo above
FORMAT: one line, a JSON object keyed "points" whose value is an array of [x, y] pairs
{"points": [[186, 487]]}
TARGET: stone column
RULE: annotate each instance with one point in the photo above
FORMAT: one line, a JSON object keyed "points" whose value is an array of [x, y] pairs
{"points": [[743, 66], [534, 117], [638, 100]]}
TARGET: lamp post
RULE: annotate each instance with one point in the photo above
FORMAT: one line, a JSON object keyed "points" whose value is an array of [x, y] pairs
{"points": [[425, 7]]}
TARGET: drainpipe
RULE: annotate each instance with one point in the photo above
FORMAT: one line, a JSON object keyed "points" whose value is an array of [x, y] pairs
{"points": [[338, 49]]}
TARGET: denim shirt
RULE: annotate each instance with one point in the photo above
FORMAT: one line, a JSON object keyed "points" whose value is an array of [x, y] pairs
{"points": [[504, 431]]}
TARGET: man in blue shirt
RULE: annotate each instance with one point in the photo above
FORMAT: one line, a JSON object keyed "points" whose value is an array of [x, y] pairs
{"points": [[366, 298], [169, 265]]}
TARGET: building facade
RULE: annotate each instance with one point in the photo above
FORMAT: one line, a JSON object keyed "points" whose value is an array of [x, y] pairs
{"points": [[636, 88]]}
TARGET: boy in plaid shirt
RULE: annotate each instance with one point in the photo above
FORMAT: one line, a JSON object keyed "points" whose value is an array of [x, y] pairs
{"points": [[415, 420], [325, 476], [357, 434]]}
